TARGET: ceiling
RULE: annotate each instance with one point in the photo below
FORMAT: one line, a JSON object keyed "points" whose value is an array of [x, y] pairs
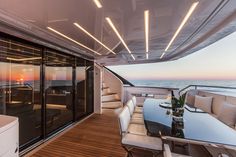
{"points": [[209, 22]]}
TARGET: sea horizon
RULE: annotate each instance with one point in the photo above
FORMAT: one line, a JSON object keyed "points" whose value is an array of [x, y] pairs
{"points": [[182, 83]]}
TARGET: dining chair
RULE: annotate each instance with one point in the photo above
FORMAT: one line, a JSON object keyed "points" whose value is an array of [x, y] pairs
{"points": [[132, 108], [137, 109], [132, 141], [126, 126], [136, 118]]}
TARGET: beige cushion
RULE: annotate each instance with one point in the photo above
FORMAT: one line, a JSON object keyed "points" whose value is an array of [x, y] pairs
{"points": [[147, 142], [138, 110], [190, 97], [124, 119], [203, 103], [231, 100], [130, 106], [137, 115], [137, 121], [137, 129], [217, 101], [228, 114], [134, 100]]}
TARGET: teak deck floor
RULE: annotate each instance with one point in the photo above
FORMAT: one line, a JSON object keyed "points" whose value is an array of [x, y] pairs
{"points": [[96, 136]]}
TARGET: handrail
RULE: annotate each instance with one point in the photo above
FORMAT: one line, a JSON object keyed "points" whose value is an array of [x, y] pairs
{"points": [[123, 80], [168, 88], [196, 86], [116, 85], [17, 85]]}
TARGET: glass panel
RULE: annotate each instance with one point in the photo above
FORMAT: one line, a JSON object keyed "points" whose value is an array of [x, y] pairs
{"points": [[58, 88], [80, 83], [89, 86], [20, 86]]}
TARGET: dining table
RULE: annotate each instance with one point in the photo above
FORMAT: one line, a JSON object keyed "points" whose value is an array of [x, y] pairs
{"points": [[195, 126]]}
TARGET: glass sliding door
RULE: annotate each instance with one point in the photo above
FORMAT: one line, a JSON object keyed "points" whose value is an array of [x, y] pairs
{"points": [[89, 86], [58, 90], [80, 88], [20, 87], [45, 89], [84, 88]]}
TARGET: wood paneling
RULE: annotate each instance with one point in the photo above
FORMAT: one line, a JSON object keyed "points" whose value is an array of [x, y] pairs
{"points": [[96, 136]]}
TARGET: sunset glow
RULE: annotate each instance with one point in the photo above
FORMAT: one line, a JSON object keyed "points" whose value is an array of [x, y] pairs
{"points": [[215, 62]]}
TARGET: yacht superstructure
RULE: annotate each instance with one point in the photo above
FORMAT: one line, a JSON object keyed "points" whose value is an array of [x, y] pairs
{"points": [[53, 73]]}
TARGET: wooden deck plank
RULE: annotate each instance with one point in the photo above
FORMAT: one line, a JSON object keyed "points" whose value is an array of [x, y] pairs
{"points": [[96, 136]]}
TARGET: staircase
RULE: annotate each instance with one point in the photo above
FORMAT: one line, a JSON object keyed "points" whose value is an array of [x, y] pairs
{"points": [[110, 100]]}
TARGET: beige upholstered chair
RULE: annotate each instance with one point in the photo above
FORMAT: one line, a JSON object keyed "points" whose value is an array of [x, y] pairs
{"points": [[137, 109], [132, 139], [133, 128], [131, 107], [136, 118], [168, 153]]}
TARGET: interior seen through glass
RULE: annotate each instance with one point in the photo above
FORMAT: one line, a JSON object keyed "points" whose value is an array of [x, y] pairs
{"points": [[67, 82]]}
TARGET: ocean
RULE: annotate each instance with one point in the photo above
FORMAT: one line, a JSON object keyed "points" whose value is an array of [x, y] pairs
{"points": [[184, 83]]}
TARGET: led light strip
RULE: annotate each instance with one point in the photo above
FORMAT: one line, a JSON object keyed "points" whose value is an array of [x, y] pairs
{"points": [[192, 8], [82, 45], [98, 4], [146, 23], [23, 59], [162, 55], [10, 42], [81, 28], [147, 55], [118, 34]]}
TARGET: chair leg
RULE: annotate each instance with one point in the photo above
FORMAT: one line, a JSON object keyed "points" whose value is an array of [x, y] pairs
{"points": [[156, 154], [129, 154], [128, 150]]}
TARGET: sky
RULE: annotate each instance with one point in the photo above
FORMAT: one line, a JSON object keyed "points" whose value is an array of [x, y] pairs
{"points": [[215, 62]]}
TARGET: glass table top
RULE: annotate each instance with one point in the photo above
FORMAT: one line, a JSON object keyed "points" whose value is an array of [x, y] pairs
{"points": [[196, 125]]}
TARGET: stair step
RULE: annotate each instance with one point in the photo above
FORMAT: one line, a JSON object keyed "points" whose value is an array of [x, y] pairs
{"points": [[112, 105], [105, 91], [111, 97], [104, 85], [108, 94], [115, 100], [105, 88]]}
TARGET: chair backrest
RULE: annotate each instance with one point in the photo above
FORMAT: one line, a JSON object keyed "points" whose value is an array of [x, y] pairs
{"points": [[134, 100], [167, 152], [130, 105], [124, 119]]}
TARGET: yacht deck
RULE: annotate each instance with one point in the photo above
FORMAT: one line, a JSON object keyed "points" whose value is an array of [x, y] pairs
{"points": [[96, 136]]}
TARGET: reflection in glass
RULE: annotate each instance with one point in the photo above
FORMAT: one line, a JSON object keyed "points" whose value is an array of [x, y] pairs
{"points": [[84, 88], [67, 92], [89, 86], [20, 86], [80, 83], [58, 88]]}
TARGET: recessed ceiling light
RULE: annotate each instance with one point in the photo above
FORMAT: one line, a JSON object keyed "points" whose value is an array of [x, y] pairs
{"points": [[81, 28], [98, 4], [132, 56], [162, 55], [146, 55], [80, 44], [23, 59], [146, 23], [192, 8], [118, 35]]}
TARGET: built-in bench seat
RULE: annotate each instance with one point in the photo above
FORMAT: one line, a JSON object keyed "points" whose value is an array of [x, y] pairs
{"points": [[222, 107]]}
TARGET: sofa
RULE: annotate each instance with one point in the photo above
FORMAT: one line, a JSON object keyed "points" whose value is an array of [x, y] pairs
{"points": [[222, 107]]}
